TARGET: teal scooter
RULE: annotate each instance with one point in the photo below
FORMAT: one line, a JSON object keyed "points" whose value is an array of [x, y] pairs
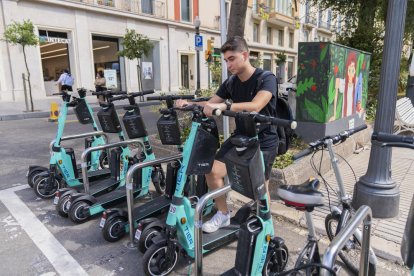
{"points": [[177, 236], [62, 165], [258, 250], [82, 206]]}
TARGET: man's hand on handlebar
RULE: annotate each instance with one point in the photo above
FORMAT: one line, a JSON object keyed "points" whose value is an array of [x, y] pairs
{"points": [[209, 107], [181, 103]]}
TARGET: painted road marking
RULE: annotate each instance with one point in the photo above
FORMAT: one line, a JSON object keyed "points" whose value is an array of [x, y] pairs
{"points": [[57, 255]]}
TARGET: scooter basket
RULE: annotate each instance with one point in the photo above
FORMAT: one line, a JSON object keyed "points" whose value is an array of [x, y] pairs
{"points": [[134, 125], [109, 120], [82, 113], [203, 153], [169, 130], [245, 171]]}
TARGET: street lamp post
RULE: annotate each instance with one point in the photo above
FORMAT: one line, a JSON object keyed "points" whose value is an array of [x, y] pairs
{"points": [[376, 188], [197, 24]]}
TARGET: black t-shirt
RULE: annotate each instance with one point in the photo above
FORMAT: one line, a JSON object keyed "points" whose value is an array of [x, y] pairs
{"points": [[245, 92]]}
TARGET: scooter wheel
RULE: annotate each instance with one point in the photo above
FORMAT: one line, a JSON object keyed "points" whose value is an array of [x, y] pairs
{"points": [[62, 205], [114, 229], [272, 265], [158, 179], [155, 261], [77, 213], [40, 187], [104, 160], [145, 240], [33, 175]]}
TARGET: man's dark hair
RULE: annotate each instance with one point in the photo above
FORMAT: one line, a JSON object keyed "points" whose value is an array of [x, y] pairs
{"points": [[235, 43]]}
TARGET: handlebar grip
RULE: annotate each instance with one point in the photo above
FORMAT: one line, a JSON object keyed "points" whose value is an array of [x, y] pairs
{"points": [[357, 129], [284, 123], [217, 112], [302, 153], [201, 99], [392, 138]]}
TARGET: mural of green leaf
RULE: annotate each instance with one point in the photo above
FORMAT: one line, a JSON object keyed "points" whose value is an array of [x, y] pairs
{"points": [[325, 107], [314, 111], [359, 63], [303, 86], [323, 53], [331, 91], [339, 106]]}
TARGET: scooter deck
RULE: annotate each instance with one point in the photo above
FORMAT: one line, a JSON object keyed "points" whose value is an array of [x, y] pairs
{"points": [[98, 173], [221, 237], [151, 208], [114, 197], [103, 186], [231, 272]]}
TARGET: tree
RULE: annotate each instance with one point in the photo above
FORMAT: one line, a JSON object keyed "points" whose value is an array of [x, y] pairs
{"points": [[135, 45], [22, 34], [237, 18]]}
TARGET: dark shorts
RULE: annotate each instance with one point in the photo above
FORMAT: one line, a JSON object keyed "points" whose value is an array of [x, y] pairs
{"points": [[67, 87], [269, 156]]}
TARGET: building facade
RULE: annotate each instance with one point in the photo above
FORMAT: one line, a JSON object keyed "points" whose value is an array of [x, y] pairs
{"points": [[84, 36]]}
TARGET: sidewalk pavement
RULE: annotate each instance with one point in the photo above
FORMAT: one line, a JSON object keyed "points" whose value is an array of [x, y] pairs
{"points": [[386, 234], [17, 110]]}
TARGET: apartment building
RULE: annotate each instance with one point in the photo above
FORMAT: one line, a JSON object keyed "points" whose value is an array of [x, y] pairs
{"points": [[84, 36]]}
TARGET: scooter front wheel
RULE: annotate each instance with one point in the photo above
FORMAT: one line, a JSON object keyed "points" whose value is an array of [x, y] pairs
{"points": [[145, 240], [155, 261], [42, 190], [33, 175], [62, 206], [276, 261]]}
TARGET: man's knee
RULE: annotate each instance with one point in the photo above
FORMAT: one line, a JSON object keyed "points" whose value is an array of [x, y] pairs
{"points": [[218, 171]]}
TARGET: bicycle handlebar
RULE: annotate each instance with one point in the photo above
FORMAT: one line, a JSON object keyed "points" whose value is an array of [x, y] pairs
{"points": [[258, 118], [342, 136], [170, 97], [201, 99], [392, 138]]}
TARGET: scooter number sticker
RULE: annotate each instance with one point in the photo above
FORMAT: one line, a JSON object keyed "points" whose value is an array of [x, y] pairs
{"points": [[56, 200], [173, 208], [102, 223], [138, 234]]}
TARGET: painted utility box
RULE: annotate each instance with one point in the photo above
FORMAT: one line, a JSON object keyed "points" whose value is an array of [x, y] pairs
{"points": [[332, 88]]}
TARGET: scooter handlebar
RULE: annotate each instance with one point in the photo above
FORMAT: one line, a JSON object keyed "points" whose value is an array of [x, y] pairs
{"points": [[170, 97]]}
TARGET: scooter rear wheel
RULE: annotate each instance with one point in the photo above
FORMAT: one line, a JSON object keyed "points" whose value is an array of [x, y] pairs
{"points": [[114, 229], [145, 239], [158, 179], [33, 175], [40, 186], [155, 263], [62, 206]]}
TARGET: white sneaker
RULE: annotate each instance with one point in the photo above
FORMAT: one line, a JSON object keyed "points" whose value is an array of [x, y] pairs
{"points": [[217, 221]]}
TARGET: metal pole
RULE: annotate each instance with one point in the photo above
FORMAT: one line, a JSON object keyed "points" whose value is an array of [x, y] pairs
{"points": [[376, 188], [223, 29], [198, 64], [410, 82], [364, 214], [25, 93], [130, 192], [198, 223]]}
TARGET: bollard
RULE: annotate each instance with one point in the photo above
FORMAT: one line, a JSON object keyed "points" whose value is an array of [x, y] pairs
{"points": [[54, 112]]}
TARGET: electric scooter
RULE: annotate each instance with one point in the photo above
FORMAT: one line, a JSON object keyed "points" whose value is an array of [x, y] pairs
{"points": [[258, 249], [82, 206], [114, 222], [177, 236], [62, 165]]}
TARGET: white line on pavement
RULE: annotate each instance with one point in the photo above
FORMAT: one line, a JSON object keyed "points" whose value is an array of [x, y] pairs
{"points": [[57, 255]]}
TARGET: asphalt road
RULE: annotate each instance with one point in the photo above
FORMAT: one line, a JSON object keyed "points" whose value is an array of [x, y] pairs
{"points": [[36, 240]]}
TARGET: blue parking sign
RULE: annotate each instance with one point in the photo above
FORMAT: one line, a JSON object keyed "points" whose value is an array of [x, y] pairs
{"points": [[198, 42]]}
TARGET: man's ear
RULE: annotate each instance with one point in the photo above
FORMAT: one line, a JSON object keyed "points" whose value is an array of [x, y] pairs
{"points": [[246, 56]]}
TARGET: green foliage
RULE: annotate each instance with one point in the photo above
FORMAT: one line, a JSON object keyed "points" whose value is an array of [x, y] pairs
{"points": [[281, 58], [135, 45], [258, 62], [21, 33], [304, 86], [371, 110], [284, 160], [215, 69]]}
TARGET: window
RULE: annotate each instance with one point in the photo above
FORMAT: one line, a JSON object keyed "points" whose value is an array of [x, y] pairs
{"points": [[290, 68], [267, 62], [255, 32], [185, 10], [269, 36], [147, 6], [291, 40], [305, 36], [280, 38], [284, 7]]}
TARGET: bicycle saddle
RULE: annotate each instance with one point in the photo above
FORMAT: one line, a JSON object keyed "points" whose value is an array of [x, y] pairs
{"points": [[301, 196]]}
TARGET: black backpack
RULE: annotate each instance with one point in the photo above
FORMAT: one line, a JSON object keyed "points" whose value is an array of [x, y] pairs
{"points": [[283, 111]]}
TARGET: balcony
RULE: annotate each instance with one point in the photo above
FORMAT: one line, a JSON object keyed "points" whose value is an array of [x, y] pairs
{"points": [[156, 8], [310, 20]]}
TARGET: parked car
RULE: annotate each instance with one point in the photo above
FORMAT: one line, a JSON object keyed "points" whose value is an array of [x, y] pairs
{"points": [[284, 87]]}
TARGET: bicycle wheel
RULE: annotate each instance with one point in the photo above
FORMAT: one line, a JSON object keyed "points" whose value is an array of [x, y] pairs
{"points": [[351, 253], [307, 257]]}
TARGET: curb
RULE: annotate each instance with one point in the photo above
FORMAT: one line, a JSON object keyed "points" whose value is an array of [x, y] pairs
{"points": [[45, 114]]}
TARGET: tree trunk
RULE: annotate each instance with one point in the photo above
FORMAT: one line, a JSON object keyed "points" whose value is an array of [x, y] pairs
{"points": [[237, 18], [28, 80]]}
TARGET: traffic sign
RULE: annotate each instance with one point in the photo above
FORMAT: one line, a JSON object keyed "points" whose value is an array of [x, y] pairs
{"points": [[198, 42]]}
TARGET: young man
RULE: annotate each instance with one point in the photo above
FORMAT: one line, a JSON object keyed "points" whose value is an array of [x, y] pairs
{"points": [[245, 95]]}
